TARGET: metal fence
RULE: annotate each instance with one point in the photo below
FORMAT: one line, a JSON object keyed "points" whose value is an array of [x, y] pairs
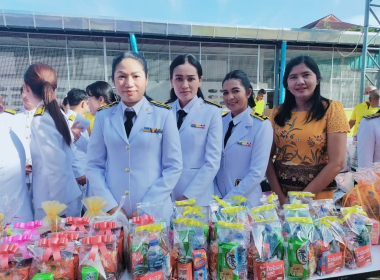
{"points": [[81, 60]]}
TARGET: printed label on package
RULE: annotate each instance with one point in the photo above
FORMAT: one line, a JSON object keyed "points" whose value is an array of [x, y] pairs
{"points": [[363, 256], [334, 263], [154, 276], [275, 271]]}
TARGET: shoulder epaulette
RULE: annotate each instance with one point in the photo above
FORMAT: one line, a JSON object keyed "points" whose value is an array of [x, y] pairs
{"points": [[213, 103], [162, 105], [72, 118], [373, 116], [9, 111], [258, 116], [108, 105], [40, 110], [224, 114]]}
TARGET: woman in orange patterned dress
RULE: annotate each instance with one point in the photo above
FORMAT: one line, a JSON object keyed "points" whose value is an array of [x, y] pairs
{"points": [[310, 134]]}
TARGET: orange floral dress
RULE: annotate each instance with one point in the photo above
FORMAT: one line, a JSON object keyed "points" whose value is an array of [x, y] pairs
{"points": [[302, 147]]}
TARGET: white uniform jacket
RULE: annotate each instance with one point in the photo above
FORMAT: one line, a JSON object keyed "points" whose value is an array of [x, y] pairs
{"points": [[369, 141], [53, 176], [12, 173], [245, 157], [200, 134], [82, 142], [21, 125], [6, 118], [148, 164]]}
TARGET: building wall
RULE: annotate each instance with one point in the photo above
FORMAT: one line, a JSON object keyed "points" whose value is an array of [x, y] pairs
{"points": [[81, 60]]}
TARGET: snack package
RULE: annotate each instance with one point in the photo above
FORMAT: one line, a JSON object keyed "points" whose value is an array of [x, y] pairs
{"points": [[154, 209], [357, 237], [75, 237], [100, 253], [233, 242], [300, 197], [322, 208], [53, 255], [52, 210], [150, 251], [299, 254], [294, 210], [265, 212], [189, 249], [43, 276], [329, 249], [94, 206], [13, 265]]}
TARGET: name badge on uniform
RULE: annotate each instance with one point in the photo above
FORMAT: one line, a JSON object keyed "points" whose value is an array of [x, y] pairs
{"points": [[244, 143], [153, 130], [198, 125]]}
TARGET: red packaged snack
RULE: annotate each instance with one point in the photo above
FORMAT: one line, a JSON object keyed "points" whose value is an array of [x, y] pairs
{"points": [[11, 266], [100, 252], [53, 255]]}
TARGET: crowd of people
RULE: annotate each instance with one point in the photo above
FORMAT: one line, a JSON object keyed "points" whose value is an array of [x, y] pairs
{"points": [[177, 150]]}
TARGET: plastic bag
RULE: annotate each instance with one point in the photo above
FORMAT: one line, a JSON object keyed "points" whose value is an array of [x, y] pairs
{"points": [[345, 181], [265, 212], [300, 197], [357, 238], [94, 206], [8, 210], [22, 241], [100, 253], [29, 228], [13, 266], [233, 241], [273, 199], [52, 210], [300, 257], [366, 193], [77, 224], [237, 214], [53, 255], [329, 249], [322, 208], [154, 209]]}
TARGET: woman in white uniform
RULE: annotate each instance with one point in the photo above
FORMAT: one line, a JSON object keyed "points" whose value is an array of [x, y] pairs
{"points": [[134, 145], [247, 141], [12, 174], [200, 130], [53, 177]]}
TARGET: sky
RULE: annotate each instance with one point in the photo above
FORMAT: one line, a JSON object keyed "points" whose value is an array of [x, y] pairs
{"points": [[263, 13]]}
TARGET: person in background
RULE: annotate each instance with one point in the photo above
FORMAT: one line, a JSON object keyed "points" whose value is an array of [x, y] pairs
{"points": [[65, 105], [6, 115], [361, 110], [368, 148], [12, 174], [99, 94], [21, 125], [134, 145], [246, 143], [50, 146], [310, 134], [200, 130], [260, 102]]}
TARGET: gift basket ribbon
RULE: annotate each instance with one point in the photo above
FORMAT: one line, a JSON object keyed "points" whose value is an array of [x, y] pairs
{"points": [[53, 247], [78, 223], [196, 210], [352, 210], [220, 201], [150, 228], [143, 220], [104, 227], [186, 202], [5, 251], [98, 243], [18, 239], [30, 227], [69, 235], [239, 199], [189, 222], [234, 209]]}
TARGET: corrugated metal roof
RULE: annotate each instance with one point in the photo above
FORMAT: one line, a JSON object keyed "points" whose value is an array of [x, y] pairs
{"points": [[12, 20]]}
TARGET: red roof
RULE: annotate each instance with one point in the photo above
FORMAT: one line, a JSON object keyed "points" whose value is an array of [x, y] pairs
{"points": [[329, 22]]}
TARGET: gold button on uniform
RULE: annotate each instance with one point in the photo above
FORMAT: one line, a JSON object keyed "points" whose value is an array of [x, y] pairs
{"points": [[27, 126], [27, 137], [223, 154], [127, 148], [127, 170]]}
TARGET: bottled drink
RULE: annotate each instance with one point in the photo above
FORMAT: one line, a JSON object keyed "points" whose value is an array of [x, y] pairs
{"points": [[198, 240], [155, 256], [241, 256]]}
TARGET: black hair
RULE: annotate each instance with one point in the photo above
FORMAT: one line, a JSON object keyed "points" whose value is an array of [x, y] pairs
{"points": [[21, 89], [64, 101], [251, 101], [133, 55], [246, 83], [75, 96], [101, 88], [319, 104], [262, 91], [180, 60]]}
